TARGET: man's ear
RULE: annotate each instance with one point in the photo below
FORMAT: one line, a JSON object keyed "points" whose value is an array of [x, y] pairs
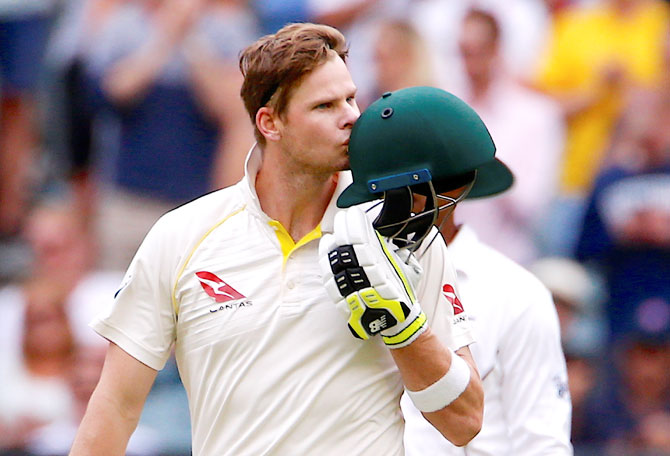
{"points": [[268, 123]]}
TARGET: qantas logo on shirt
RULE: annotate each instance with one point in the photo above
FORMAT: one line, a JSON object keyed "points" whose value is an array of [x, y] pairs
{"points": [[217, 288], [450, 294]]}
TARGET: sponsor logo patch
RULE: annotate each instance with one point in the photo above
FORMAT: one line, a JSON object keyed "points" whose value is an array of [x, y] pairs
{"points": [[450, 294], [224, 294], [217, 288]]}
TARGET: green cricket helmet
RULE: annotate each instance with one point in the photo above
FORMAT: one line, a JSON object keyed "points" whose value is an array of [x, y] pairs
{"points": [[423, 140]]}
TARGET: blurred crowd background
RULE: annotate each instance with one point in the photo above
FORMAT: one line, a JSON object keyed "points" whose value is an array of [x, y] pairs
{"points": [[114, 111]]}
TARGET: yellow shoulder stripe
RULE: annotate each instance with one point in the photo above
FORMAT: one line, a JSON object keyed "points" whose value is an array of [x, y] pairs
{"points": [[190, 255]]}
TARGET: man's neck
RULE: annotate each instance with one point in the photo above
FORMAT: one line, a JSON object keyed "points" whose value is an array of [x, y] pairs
{"points": [[479, 88], [296, 200], [448, 228]]}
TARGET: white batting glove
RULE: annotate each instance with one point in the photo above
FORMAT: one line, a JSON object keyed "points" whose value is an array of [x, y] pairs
{"points": [[369, 282]]}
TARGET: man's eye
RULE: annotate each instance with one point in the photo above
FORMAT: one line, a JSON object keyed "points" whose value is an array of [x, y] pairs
{"points": [[324, 106]]}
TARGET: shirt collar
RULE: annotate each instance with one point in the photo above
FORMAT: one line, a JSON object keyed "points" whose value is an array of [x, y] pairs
{"points": [[462, 251], [251, 166], [344, 179]]}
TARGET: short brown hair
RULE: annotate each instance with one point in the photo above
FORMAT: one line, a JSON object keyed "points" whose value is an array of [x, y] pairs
{"points": [[275, 64]]}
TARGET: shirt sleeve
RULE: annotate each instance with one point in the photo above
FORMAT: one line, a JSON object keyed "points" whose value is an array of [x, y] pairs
{"points": [[141, 320], [535, 395], [439, 296]]}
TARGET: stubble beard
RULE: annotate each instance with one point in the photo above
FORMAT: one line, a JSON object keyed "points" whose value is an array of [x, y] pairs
{"points": [[339, 163]]}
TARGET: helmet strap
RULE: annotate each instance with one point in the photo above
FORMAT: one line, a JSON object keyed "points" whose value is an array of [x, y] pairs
{"points": [[397, 222], [449, 205], [407, 229], [395, 212]]}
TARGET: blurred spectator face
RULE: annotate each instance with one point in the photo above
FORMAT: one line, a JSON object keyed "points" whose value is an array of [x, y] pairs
{"points": [[556, 5], [401, 57], [647, 370], [581, 378], [653, 134], [653, 433], [478, 45], [46, 326], [392, 55], [60, 246]]}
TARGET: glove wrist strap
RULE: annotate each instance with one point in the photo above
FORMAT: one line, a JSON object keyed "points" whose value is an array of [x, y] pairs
{"points": [[408, 334]]}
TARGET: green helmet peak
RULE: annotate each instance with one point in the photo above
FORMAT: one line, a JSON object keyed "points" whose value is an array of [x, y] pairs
{"points": [[418, 135]]}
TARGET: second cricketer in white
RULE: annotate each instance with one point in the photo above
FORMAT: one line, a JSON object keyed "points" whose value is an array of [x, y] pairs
{"points": [[527, 406]]}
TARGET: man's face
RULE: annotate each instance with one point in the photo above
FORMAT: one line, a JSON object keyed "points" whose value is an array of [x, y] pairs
{"points": [[447, 206], [478, 49], [392, 55], [316, 125]]}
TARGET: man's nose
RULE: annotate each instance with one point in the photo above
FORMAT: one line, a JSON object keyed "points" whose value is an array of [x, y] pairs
{"points": [[352, 114]]}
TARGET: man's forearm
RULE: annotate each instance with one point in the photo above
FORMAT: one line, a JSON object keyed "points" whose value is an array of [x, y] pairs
{"points": [[115, 406], [104, 430], [426, 361]]}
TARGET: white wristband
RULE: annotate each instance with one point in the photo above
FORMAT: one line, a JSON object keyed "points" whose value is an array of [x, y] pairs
{"points": [[446, 390]]}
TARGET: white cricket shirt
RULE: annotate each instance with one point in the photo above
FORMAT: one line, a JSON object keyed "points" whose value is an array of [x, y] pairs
{"points": [[268, 363], [527, 409]]}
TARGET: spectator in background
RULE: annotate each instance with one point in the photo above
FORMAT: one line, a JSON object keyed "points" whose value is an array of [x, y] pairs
{"points": [[358, 20], [63, 254], [523, 25], [597, 52], [24, 31], [42, 322], [626, 229], [578, 296], [626, 233], [401, 59], [528, 132], [631, 410], [45, 324], [56, 438], [34, 363], [168, 70], [70, 134]]}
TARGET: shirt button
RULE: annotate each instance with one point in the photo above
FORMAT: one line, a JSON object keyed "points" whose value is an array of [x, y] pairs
{"points": [[290, 285]]}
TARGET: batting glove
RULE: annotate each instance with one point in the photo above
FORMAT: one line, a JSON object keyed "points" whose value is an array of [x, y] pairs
{"points": [[369, 281]]}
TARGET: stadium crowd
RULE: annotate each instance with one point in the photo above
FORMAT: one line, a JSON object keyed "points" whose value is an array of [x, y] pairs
{"points": [[112, 112]]}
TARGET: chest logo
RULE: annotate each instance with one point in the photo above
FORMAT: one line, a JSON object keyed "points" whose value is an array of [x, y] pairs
{"points": [[217, 288], [450, 294]]}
